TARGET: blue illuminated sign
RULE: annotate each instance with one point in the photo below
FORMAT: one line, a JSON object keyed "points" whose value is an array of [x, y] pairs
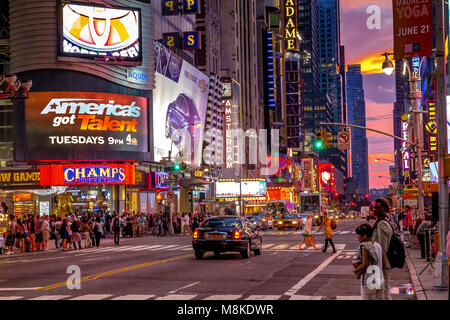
{"points": [[191, 40], [94, 174]]}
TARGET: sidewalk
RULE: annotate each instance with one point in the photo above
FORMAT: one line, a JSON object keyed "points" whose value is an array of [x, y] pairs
{"points": [[423, 284]]}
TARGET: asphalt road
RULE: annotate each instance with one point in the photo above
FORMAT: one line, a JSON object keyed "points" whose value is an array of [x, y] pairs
{"points": [[166, 269]]}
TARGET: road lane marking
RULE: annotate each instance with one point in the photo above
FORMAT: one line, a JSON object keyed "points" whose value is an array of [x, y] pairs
{"points": [[280, 247], [223, 297], [189, 285], [135, 297], [177, 297], [18, 289], [300, 297], [348, 298], [10, 298], [116, 271], [188, 249], [50, 298], [267, 245], [165, 247], [345, 232], [310, 276], [181, 248], [294, 247], [263, 297], [139, 248], [92, 297], [94, 259]]}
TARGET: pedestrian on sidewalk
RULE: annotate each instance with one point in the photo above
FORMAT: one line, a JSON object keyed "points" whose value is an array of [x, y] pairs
{"points": [[98, 231], [9, 241], [31, 232], [382, 233], [19, 235], [57, 228], [407, 220], [39, 231], [308, 237], [186, 227], [370, 254], [64, 232], [328, 232], [420, 234], [46, 232], [142, 222], [76, 237], [86, 230], [117, 223]]}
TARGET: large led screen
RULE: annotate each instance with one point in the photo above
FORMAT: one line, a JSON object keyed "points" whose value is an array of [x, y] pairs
{"points": [[99, 33], [86, 121], [180, 100], [248, 189]]}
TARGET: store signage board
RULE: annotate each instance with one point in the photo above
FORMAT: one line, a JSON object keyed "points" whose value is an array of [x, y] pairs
{"points": [[86, 121], [16, 178], [413, 28], [431, 128], [93, 32], [87, 174], [406, 155]]}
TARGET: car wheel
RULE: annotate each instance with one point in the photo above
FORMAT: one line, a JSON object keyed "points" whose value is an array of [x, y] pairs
{"points": [[246, 254], [199, 254], [258, 251]]}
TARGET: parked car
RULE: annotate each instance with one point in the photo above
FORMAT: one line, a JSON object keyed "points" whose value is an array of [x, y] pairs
{"points": [[264, 218], [226, 234], [291, 220]]}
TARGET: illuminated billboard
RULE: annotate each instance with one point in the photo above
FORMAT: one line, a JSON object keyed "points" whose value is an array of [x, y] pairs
{"points": [[327, 177], [87, 174], [180, 101], [93, 32], [248, 189], [83, 121]]}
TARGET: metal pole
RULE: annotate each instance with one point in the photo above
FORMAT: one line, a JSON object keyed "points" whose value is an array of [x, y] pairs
{"points": [[441, 264]]}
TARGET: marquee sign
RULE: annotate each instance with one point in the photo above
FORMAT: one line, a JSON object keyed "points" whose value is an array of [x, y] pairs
{"points": [[87, 174], [405, 157], [99, 33], [19, 178]]}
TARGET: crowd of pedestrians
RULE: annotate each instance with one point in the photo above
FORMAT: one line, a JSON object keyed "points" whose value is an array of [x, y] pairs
{"points": [[72, 232]]}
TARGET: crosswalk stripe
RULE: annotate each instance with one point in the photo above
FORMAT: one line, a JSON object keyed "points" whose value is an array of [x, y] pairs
{"points": [[50, 298], [181, 247], [135, 297], [177, 297], [280, 247], [118, 249], [268, 245], [345, 232], [139, 248], [187, 249], [223, 297], [10, 298], [263, 297], [348, 298], [300, 297], [92, 297], [164, 247], [321, 232], [294, 247]]}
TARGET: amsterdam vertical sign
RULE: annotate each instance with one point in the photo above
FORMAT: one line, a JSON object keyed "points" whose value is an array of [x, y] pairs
{"points": [[292, 74]]}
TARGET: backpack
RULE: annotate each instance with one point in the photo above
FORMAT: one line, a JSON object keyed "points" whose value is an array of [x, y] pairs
{"points": [[333, 225], [116, 224], [396, 253]]}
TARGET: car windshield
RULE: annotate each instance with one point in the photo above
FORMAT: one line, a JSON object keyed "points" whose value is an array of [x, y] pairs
{"points": [[262, 215], [286, 216], [223, 223]]}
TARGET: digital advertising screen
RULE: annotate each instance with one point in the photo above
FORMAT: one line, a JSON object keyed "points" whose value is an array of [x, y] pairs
{"points": [[86, 121], [92, 32], [248, 189], [180, 101]]}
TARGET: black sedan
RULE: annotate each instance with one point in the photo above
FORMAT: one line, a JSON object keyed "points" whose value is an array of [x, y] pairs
{"points": [[226, 234]]}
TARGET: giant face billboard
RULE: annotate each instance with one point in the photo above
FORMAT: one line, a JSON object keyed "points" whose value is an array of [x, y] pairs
{"points": [[98, 33], [327, 177], [180, 100], [86, 121]]}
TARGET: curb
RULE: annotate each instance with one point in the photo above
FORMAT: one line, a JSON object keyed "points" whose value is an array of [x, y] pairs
{"points": [[417, 285]]}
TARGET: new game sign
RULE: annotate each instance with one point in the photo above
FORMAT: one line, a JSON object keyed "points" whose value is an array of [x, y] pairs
{"points": [[86, 121], [431, 127]]}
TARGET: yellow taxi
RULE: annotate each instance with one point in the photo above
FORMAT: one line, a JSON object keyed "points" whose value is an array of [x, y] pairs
{"points": [[285, 221]]}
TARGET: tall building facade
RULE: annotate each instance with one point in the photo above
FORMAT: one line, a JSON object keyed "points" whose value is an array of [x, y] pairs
{"points": [[329, 31], [356, 108]]}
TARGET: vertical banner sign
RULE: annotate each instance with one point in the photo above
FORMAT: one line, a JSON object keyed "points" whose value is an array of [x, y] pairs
{"points": [[431, 127], [191, 40], [170, 7], [171, 40], [308, 174], [413, 28], [191, 6], [292, 90], [406, 166]]}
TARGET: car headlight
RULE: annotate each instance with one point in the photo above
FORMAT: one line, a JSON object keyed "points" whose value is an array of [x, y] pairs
{"points": [[263, 220], [294, 222], [316, 217], [280, 222]]}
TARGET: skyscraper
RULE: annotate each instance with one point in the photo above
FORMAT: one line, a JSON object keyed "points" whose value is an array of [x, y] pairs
{"points": [[356, 110]]}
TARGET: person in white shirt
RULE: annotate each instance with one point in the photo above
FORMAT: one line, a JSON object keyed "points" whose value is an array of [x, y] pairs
{"points": [[186, 226]]}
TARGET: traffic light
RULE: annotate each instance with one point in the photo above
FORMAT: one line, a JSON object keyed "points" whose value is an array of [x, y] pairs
{"points": [[177, 167], [328, 139], [318, 143], [367, 196], [352, 204], [336, 194]]}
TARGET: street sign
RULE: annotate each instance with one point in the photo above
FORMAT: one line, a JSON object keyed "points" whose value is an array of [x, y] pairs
{"points": [[413, 28], [344, 140]]}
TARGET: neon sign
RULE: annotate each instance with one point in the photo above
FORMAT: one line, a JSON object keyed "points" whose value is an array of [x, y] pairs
{"points": [[431, 127], [95, 174], [290, 25], [405, 127]]}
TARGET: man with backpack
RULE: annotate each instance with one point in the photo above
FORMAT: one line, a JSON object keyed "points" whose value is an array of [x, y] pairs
{"points": [[116, 224], [390, 242]]}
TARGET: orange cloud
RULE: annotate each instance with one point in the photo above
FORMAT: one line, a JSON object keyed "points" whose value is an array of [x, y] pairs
{"points": [[373, 62]]}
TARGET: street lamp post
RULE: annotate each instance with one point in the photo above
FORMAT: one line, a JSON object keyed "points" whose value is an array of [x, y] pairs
{"points": [[415, 96]]}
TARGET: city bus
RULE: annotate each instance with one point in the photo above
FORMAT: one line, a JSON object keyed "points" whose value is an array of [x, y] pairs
{"points": [[282, 206]]}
